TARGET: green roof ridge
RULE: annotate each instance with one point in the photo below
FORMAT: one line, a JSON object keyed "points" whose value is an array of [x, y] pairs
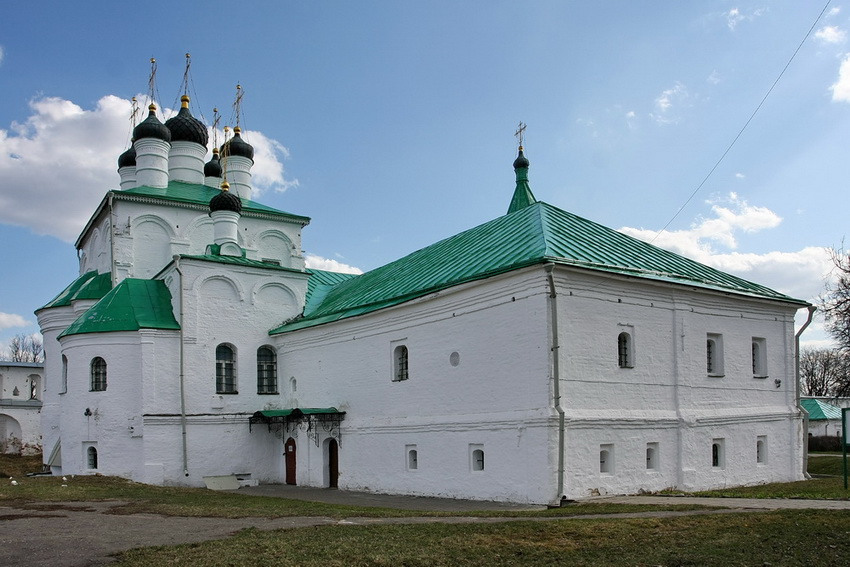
{"points": [[131, 305], [534, 234]]}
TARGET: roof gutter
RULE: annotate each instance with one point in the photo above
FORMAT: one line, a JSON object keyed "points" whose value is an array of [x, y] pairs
{"points": [[176, 259], [812, 310], [560, 498]]}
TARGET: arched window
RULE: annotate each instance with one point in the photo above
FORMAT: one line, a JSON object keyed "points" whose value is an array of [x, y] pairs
{"points": [[91, 457], [98, 374], [225, 370], [624, 350], [759, 357], [651, 456], [717, 456], [400, 363], [64, 386], [412, 459], [266, 370], [714, 355], [604, 461]]}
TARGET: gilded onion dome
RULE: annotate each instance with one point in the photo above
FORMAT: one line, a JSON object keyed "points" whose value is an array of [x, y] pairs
{"points": [[151, 127], [186, 128], [236, 146], [128, 158], [213, 167], [226, 201]]}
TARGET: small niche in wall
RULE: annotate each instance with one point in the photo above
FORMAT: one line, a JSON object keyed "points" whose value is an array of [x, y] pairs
{"points": [[454, 358]]}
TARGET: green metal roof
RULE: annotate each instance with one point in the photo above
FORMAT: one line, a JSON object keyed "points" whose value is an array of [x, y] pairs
{"points": [[523, 196], [200, 195], [239, 261], [132, 305], [90, 285], [819, 411], [531, 235]]}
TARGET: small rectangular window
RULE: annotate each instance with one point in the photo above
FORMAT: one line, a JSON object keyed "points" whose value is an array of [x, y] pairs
{"points": [[606, 459], [412, 457], [718, 457], [652, 456], [759, 357], [714, 354], [761, 449]]}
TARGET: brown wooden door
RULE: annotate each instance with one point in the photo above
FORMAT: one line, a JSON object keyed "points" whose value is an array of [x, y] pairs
{"points": [[333, 463], [289, 452]]}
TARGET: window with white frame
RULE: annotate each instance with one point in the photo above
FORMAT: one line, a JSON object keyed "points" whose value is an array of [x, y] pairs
{"points": [[412, 457], [718, 453], [652, 456], [759, 357], [91, 457], [225, 370], [606, 458], [266, 370], [761, 449], [63, 387], [401, 363], [625, 354], [714, 354], [98, 374], [476, 457]]}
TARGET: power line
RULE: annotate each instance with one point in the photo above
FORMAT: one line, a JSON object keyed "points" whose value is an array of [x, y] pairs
{"points": [[747, 123]]}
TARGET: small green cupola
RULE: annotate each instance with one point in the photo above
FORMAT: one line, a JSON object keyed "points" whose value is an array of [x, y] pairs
{"points": [[523, 197]]}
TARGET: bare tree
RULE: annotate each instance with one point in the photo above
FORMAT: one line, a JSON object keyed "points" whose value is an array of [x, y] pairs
{"points": [[835, 301], [824, 372], [26, 348]]}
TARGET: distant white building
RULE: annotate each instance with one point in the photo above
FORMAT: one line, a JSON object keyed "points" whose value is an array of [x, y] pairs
{"points": [[20, 407], [535, 357]]}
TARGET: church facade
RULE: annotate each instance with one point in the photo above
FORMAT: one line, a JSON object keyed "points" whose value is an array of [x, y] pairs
{"points": [[536, 357]]}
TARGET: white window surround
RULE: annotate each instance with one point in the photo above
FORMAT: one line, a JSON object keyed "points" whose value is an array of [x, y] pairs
{"points": [[759, 352], [714, 355]]}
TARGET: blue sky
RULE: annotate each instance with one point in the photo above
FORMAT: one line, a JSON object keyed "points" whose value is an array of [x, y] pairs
{"points": [[391, 123]]}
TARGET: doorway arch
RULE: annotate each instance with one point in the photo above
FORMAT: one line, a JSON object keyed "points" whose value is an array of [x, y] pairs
{"points": [[331, 463]]}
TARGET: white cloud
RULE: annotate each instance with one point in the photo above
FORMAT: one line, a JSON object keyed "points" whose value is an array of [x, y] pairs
{"points": [[714, 78], [319, 263], [56, 165], [735, 16], [668, 102], [11, 320], [841, 88], [831, 34], [740, 176], [712, 241]]}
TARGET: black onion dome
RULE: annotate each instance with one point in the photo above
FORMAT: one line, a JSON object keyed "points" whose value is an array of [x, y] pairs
{"points": [[521, 160], [213, 167], [128, 158], [186, 128], [236, 146], [226, 201], [151, 127]]}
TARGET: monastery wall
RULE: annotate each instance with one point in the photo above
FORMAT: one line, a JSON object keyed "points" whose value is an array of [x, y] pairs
{"points": [[654, 422], [466, 391]]}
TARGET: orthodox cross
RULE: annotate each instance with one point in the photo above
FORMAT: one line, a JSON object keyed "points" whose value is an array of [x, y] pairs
{"points": [[520, 131]]}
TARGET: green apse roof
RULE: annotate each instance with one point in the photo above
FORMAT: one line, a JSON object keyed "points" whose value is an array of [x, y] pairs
{"points": [[533, 234], [90, 285], [819, 411], [132, 305]]}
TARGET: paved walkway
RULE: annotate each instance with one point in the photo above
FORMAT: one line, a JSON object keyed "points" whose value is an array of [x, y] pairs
{"points": [[83, 534]]}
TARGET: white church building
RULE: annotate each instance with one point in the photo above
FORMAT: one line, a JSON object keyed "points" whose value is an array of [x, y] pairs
{"points": [[536, 357]]}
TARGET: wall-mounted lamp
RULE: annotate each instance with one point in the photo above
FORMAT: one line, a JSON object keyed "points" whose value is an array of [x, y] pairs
{"points": [[778, 382], [87, 413]]}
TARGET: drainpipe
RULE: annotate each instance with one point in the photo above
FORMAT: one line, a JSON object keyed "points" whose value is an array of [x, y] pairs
{"points": [[812, 310], [176, 259], [556, 381]]}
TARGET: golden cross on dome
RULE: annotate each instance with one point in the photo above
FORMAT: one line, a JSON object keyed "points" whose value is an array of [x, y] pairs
{"points": [[520, 131]]}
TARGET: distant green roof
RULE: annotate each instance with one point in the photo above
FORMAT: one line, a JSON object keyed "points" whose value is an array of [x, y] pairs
{"points": [[90, 285], [132, 305], [533, 234], [819, 410]]}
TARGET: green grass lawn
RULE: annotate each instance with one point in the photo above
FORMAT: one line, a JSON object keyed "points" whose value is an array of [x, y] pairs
{"points": [[811, 538]]}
